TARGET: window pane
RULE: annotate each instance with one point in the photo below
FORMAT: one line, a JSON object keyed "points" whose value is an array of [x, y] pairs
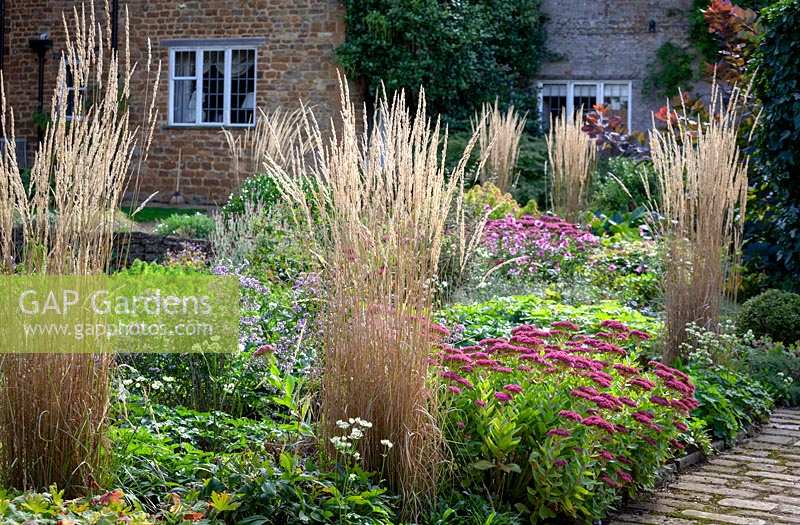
{"points": [[617, 98], [184, 101], [213, 86], [243, 86], [185, 64], [554, 102], [584, 96]]}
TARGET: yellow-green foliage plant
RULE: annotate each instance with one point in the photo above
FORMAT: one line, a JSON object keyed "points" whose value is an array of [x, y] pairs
{"points": [[499, 134], [571, 158], [702, 180], [377, 201], [53, 405]]}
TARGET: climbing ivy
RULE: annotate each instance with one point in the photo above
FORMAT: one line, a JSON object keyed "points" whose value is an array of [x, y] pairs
{"points": [[775, 231], [463, 53], [672, 70]]}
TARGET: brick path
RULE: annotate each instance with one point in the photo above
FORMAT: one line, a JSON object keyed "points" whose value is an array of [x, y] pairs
{"points": [[756, 483]]}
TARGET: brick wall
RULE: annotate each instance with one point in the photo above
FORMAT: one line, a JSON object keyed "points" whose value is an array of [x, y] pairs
{"points": [[295, 62], [611, 40]]}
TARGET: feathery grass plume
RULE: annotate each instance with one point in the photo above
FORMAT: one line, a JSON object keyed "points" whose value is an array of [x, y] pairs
{"points": [[377, 202], [702, 183], [499, 135], [275, 135], [53, 406], [571, 155]]}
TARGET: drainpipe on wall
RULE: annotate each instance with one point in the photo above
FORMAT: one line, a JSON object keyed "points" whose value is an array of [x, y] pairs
{"points": [[2, 32], [40, 45], [114, 24]]}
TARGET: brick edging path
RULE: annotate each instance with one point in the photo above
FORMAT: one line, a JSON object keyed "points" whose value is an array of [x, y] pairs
{"points": [[755, 483]]}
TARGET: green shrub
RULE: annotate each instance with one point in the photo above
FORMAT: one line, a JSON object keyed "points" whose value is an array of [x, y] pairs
{"points": [[672, 71], [258, 189], [487, 195], [463, 53], [729, 401], [777, 367], [774, 313], [197, 226], [773, 248], [620, 177]]}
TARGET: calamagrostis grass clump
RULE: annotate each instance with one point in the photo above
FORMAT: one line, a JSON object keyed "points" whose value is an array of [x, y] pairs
{"points": [[702, 181], [377, 203], [277, 135], [571, 155], [499, 135], [53, 406]]}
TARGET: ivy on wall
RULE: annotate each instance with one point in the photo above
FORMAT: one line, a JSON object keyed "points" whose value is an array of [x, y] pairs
{"points": [[775, 232], [463, 52], [672, 70]]}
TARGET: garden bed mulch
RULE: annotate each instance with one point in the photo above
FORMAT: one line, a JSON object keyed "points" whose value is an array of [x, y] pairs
{"points": [[757, 482]]}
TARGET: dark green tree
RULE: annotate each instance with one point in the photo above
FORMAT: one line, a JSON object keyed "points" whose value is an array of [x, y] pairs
{"points": [[774, 244], [463, 52]]}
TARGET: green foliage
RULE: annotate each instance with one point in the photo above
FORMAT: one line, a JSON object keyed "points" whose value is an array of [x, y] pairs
{"points": [[197, 226], [624, 185], [462, 53], [154, 214], [51, 507], [774, 245], [672, 71], [496, 318], [488, 196], [532, 183], [258, 189], [729, 401], [774, 313], [629, 270], [777, 367], [531, 186]]}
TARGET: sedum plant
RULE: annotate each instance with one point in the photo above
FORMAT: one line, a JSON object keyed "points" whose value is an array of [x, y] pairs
{"points": [[562, 422]]}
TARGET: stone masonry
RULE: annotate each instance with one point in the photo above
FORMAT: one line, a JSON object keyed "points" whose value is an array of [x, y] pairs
{"points": [[295, 62], [612, 40], [756, 483]]}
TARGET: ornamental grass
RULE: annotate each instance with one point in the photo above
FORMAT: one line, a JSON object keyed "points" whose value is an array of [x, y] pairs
{"points": [[377, 202], [702, 181], [53, 406], [499, 135], [571, 157]]}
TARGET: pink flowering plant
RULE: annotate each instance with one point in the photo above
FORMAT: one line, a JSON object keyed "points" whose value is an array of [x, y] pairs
{"points": [[562, 422], [543, 246]]}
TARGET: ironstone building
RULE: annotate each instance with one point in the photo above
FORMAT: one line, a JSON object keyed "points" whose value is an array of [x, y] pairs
{"points": [[603, 51], [222, 59]]}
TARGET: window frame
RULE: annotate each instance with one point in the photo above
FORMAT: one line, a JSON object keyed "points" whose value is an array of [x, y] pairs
{"points": [[599, 95], [198, 51]]}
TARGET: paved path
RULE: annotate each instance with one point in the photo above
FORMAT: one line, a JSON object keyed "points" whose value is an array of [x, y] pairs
{"points": [[756, 483]]}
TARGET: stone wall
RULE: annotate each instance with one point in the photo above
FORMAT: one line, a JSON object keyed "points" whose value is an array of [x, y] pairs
{"points": [[147, 247], [611, 40], [295, 62]]}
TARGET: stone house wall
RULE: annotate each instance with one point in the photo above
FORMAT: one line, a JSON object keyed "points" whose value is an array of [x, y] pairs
{"points": [[295, 61], [613, 40]]}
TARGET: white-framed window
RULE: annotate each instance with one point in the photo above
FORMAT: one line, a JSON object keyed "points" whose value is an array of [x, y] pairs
{"points": [[212, 83], [75, 95], [557, 96]]}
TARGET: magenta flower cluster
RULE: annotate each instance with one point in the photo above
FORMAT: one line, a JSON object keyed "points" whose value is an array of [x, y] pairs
{"points": [[535, 242], [601, 395]]}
